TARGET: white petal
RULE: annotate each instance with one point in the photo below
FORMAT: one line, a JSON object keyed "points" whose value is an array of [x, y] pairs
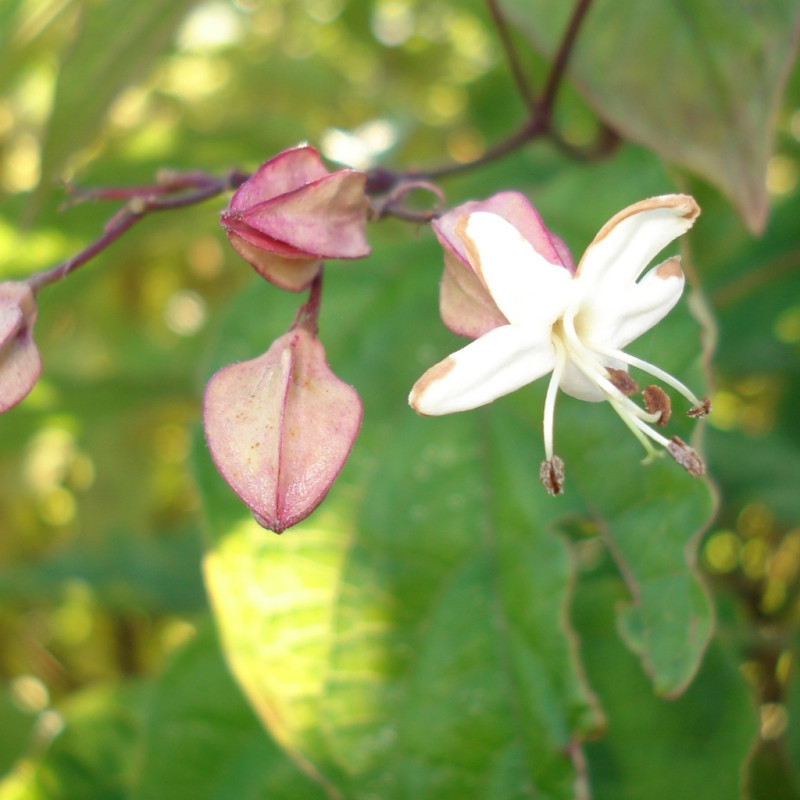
{"points": [[628, 242], [501, 361], [651, 299], [525, 286], [641, 307], [576, 384]]}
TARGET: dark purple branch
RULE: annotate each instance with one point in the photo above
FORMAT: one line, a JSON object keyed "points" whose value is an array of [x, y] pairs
{"points": [[389, 203], [504, 32], [540, 120], [192, 188], [559, 66]]}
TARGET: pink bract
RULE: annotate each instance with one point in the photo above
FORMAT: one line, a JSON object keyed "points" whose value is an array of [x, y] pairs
{"points": [[280, 428], [20, 362], [292, 214]]}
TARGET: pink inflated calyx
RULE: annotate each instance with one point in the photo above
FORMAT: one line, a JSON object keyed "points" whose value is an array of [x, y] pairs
{"points": [[20, 363], [280, 428], [292, 214], [465, 303]]}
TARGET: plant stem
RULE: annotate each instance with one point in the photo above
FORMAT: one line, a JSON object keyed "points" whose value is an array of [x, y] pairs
{"points": [[143, 201], [559, 66], [308, 314], [541, 109], [504, 32]]}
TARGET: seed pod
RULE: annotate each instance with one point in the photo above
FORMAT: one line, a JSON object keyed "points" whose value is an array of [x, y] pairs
{"points": [[20, 362], [280, 428]]}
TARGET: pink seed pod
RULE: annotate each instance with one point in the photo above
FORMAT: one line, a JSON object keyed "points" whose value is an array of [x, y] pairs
{"points": [[292, 214], [280, 428]]}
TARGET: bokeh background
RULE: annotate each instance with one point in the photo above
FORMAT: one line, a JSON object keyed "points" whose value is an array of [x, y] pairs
{"points": [[105, 628]]}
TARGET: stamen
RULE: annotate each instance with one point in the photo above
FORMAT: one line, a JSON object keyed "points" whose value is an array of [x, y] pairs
{"points": [[641, 431], [653, 370], [623, 381], [608, 380], [701, 410], [551, 474], [586, 361], [550, 398], [657, 402], [686, 457]]}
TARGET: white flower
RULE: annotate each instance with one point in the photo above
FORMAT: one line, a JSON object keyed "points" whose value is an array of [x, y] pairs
{"points": [[571, 325]]}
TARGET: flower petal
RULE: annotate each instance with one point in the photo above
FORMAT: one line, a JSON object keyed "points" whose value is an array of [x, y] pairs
{"points": [[525, 286], [236, 227], [498, 363], [465, 304], [282, 173], [630, 240], [610, 326], [649, 301], [280, 427], [11, 320]]}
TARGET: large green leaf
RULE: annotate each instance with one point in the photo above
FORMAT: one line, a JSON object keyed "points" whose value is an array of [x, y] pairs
{"points": [[202, 741], [417, 648], [697, 82], [692, 747]]}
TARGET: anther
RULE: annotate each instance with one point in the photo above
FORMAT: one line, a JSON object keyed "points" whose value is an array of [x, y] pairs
{"points": [[551, 474], [657, 402], [686, 457], [622, 381], [695, 412]]}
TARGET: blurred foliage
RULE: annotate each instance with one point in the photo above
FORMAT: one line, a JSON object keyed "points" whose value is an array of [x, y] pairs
{"points": [[113, 685]]}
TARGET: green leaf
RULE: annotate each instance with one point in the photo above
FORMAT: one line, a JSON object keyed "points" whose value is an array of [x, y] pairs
{"points": [[694, 746], [696, 82], [201, 740], [16, 727], [402, 655]]}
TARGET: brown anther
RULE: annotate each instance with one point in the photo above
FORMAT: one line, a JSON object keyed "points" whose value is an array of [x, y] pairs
{"points": [[622, 381], [551, 474], [686, 457], [695, 412], [657, 402]]}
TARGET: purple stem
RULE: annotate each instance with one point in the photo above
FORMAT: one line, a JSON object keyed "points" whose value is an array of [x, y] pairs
{"points": [[540, 120], [143, 201], [504, 32], [308, 313]]}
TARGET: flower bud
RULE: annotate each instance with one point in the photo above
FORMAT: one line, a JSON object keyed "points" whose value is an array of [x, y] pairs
{"points": [[20, 363], [280, 427], [465, 304], [292, 213]]}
